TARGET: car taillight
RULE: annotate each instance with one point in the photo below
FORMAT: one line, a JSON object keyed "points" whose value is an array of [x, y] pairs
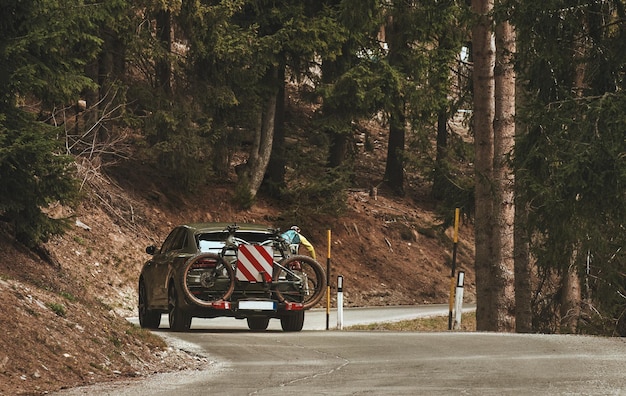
{"points": [[293, 306], [204, 263], [221, 304]]}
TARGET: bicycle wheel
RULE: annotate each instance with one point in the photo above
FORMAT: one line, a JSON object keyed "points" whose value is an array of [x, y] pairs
{"points": [[299, 279], [207, 278]]}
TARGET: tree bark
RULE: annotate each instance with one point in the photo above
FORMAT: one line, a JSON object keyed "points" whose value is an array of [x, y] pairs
{"points": [[504, 182], [338, 149], [522, 255], [439, 178], [394, 168], [163, 67], [571, 297], [522, 264], [275, 179], [262, 147], [483, 79]]}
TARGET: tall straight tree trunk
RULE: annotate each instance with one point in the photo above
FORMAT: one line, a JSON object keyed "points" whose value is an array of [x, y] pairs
{"points": [[275, 178], [522, 255], [484, 107], [504, 182], [522, 264], [441, 168], [394, 168], [163, 67], [340, 137], [571, 296], [262, 147]]}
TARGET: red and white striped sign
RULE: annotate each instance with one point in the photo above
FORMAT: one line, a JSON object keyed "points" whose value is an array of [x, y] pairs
{"points": [[255, 262]]}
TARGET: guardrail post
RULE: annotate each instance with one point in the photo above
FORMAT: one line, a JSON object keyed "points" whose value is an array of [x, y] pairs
{"points": [[340, 302], [458, 302], [328, 284]]}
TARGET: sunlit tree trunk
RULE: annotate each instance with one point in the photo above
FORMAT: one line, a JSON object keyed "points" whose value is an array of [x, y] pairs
{"points": [[504, 205], [275, 178], [571, 296], [483, 46], [522, 255], [262, 147]]}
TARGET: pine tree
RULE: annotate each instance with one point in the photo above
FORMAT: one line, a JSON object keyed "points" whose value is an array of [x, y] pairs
{"points": [[43, 49], [570, 160]]}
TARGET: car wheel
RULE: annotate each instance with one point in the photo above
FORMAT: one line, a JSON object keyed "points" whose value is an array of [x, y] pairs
{"points": [[257, 323], [148, 319], [179, 319], [293, 321]]}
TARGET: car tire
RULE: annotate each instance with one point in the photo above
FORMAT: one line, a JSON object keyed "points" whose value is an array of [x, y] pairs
{"points": [[258, 323], [148, 319], [293, 321], [179, 320]]}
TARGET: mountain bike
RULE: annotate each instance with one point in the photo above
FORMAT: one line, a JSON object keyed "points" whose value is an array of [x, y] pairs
{"points": [[288, 278]]}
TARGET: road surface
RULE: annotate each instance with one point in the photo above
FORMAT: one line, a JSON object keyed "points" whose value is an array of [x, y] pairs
{"points": [[316, 319], [315, 362]]}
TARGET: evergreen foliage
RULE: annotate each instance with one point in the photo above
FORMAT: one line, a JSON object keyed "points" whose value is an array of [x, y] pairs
{"points": [[43, 47], [34, 176], [570, 158]]}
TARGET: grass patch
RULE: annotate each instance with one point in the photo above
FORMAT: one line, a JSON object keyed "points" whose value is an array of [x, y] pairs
{"points": [[68, 296], [431, 324], [58, 309]]}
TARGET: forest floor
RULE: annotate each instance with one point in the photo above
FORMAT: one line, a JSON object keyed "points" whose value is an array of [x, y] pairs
{"points": [[64, 321]]}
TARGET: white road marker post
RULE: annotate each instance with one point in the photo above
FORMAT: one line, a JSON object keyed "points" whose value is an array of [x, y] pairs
{"points": [[456, 239], [340, 302], [458, 302]]}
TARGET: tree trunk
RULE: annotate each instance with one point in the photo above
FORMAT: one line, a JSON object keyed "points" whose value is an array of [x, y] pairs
{"points": [[522, 255], [394, 168], [441, 167], [332, 69], [484, 59], [275, 179], [571, 297], [504, 205], [338, 150], [262, 147], [163, 67], [251, 175], [523, 285]]}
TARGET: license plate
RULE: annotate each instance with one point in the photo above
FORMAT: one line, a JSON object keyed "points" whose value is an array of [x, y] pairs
{"points": [[258, 305]]}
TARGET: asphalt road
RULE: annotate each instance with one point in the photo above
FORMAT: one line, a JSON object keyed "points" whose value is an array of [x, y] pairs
{"points": [[316, 319], [315, 362]]}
